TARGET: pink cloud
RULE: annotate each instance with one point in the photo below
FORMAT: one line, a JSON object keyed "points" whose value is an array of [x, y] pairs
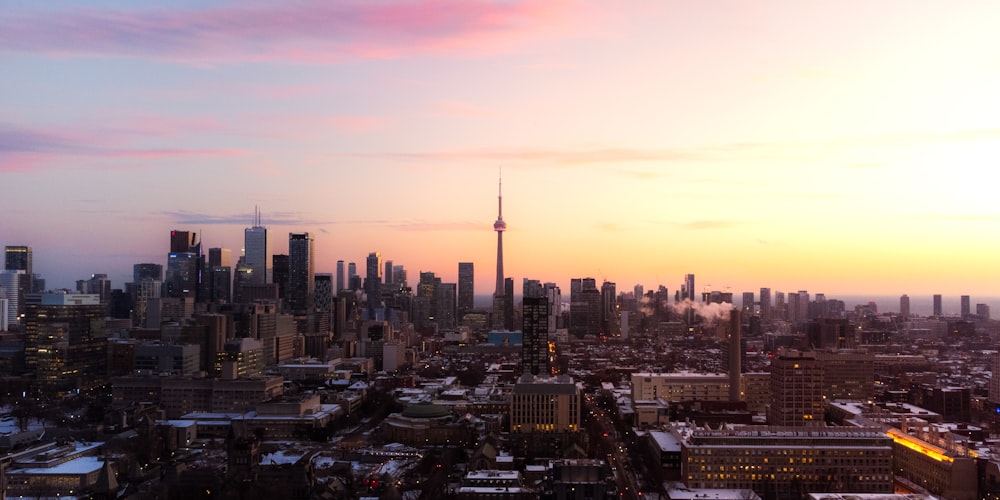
{"points": [[24, 149], [305, 31]]}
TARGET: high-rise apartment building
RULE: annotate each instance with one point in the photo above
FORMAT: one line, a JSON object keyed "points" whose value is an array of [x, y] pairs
{"points": [[554, 296], [466, 288], [765, 305], [373, 280], [387, 277], [65, 343], [983, 311], [444, 305], [796, 389], [301, 272], [535, 327], [584, 307], [257, 253], [609, 309], [341, 277], [938, 310], [747, 306]]}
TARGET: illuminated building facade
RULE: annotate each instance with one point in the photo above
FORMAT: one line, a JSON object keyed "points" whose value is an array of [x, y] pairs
{"points": [[787, 462], [796, 389], [65, 343], [545, 404]]}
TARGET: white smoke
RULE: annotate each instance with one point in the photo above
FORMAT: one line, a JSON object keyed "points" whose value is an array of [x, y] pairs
{"points": [[711, 312]]}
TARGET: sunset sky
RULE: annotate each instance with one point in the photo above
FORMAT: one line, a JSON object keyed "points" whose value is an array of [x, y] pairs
{"points": [[838, 147]]}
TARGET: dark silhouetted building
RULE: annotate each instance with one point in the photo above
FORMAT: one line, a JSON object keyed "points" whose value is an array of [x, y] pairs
{"points": [[466, 288], [301, 273], [535, 329]]}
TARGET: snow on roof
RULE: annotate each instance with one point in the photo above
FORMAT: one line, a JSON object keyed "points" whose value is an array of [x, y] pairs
{"points": [[78, 466], [281, 457]]}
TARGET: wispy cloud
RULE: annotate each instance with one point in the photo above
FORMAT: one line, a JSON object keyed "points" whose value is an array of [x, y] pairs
{"points": [[777, 151], [699, 225], [300, 219], [25, 149], [312, 31]]}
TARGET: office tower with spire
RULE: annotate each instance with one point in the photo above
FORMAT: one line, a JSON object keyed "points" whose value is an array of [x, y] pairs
{"points": [[499, 294], [256, 252], [301, 273], [466, 288]]}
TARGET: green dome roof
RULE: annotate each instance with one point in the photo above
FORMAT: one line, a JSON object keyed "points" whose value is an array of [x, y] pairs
{"points": [[425, 410]]}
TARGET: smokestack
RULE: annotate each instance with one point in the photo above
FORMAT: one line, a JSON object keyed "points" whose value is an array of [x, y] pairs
{"points": [[735, 354]]}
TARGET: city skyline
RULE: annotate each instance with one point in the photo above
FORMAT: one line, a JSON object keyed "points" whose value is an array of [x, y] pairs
{"points": [[838, 149]]}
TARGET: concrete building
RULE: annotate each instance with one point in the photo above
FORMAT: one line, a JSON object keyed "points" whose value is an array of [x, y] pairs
{"points": [[787, 462], [680, 386], [65, 343], [545, 404], [796, 389]]}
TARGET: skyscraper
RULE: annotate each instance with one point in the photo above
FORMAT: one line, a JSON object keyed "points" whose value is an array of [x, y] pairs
{"points": [[796, 389], [535, 344], [220, 257], [736, 352], [147, 271], [609, 309], [10, 282], [182, 241], [937, 305], [182, 275], [65, 343], [765, 304], [340, 277], [966, 306], [689, 291], [747, 306], [18, 258], [387, 276], [256, 252], [904, 306], [301, 276], [373, 280], [279, 274], [499, 296], [466, 289], [554, 296]]}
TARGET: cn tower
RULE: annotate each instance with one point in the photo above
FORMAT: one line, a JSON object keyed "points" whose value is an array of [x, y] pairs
{"points": [[499, 226]]}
